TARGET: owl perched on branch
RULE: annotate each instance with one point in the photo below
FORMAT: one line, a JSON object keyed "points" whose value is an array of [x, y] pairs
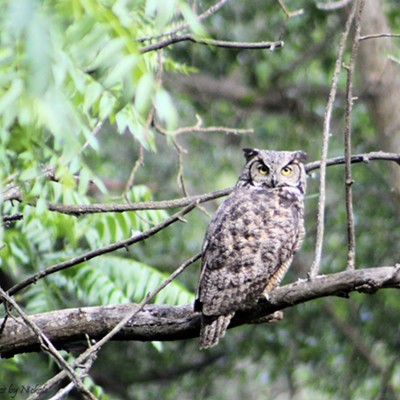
{"points": [[251, 240]]}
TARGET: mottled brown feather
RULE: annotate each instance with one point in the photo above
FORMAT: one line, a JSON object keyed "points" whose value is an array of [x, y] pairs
{"points": [[251, 240]]}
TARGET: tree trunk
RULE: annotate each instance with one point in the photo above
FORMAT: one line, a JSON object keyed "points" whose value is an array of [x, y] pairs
{"points": [[381, 82]]}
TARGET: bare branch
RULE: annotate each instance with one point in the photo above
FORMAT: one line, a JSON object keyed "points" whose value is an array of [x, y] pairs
{"points": [[378, 35], [355, 159], [180, 178], [80, 209], [333, 5], [166, 323], [351, 237], [325, 143], [288, 13], [104, 250], [211, 42], [198, 127], [136, 166]]}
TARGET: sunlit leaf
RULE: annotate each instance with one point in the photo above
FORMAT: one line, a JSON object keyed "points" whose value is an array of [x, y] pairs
{"points": [[144, 92]]}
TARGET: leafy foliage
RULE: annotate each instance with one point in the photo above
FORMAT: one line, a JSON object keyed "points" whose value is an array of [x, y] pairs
{"points": [[116, 280]]}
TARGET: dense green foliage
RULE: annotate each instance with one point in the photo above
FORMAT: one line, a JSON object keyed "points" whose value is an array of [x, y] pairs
{"points": [[78, 95]]}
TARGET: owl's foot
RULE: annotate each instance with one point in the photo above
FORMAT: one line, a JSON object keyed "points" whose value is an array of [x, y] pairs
{"points": [[274, 317], [264, 299]]}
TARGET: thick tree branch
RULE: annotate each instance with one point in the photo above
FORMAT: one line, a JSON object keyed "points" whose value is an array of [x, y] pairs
{"points": [[164, 323]]}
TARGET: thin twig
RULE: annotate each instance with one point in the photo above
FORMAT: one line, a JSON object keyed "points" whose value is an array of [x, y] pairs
{"points": [[288, 13], [103, 250], [378, 35], [356, 159], [93, 134], [351, 237], [198, 127], [211, 42], [136, 166], [325, 143], [210, 11], [180, 178], [84, 367], [333, 5], [48, 347], [10, 219], [96, 347]]}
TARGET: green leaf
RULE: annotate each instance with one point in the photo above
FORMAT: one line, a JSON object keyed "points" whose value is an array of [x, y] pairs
{"points": [[112, 280], [109, 54], [165, 12], [120, 71], [106, 105], [10, 97], [144, 93], [92, 95], [165, 109], [191, 18]]}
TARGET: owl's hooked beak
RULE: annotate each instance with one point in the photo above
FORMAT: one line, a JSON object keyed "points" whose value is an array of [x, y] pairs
{"points": [[274, 181]]}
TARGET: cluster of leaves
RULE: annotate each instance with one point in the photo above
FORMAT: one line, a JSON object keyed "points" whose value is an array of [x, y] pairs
{"points": [[68, 68]]}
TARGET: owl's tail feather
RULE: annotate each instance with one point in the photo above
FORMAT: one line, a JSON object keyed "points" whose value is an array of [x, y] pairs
{"points": [[213, 328]]}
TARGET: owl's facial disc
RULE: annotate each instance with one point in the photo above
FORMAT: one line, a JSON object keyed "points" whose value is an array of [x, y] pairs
{"points": [[274, 174]]}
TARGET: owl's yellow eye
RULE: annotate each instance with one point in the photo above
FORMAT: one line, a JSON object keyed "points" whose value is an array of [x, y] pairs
{"points": [[263, 170], [286, 170]]}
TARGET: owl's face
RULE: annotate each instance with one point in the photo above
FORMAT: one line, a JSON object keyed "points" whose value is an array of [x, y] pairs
{"points": [[272, 169]]}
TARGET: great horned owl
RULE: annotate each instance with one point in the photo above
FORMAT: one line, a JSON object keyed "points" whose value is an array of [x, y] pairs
{"points": [[251, 239]]}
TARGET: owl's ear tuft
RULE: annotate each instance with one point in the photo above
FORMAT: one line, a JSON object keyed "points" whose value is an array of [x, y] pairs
{"points": [[300, 155], [249, 154]]}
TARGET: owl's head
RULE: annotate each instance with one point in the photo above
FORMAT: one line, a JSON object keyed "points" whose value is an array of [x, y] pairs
{"points": [[273, 169]]}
